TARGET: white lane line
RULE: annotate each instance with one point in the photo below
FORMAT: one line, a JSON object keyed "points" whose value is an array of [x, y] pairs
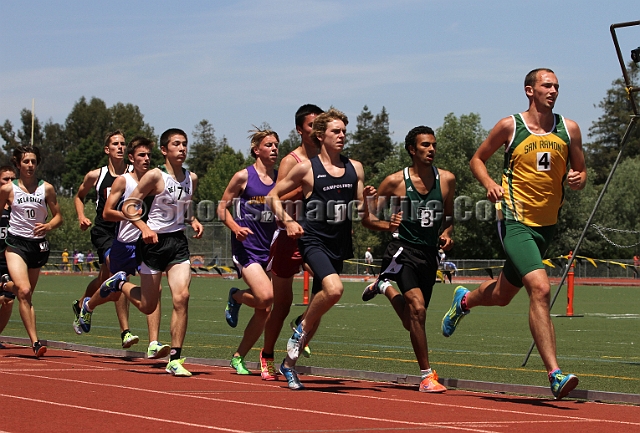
{"points": [[120, 414]]}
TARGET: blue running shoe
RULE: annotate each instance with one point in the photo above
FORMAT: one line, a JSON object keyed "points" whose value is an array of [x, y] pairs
{"points": [[562, 384], [292, 377], [231, 312], [84, 319], [296, 342], [455, 313], [113, 284]]}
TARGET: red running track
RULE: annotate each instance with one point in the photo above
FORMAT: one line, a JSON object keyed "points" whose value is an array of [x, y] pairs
{"points": [[72, 391]]}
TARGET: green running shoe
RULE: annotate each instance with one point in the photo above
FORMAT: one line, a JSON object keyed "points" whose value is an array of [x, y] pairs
{"points": [[129, 340], [158, 350], [237, 362], [175, 368]]}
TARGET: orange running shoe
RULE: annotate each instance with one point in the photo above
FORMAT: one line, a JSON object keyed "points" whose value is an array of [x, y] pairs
{"points": [[431, 384]]}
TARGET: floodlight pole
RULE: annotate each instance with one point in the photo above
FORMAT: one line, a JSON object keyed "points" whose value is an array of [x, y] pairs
{"points": [[634, 117]]}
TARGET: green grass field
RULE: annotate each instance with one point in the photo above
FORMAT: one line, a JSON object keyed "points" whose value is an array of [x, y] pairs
{"points": [[489, 345]]}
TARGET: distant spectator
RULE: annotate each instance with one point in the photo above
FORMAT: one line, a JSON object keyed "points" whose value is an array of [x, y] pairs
{"points": [[90, 258], [636, 265], [80, 260], [368, 260], [65, 260]]}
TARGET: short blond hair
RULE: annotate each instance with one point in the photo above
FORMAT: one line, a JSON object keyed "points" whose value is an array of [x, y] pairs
{"points": [[322, 120], [257, 135]]}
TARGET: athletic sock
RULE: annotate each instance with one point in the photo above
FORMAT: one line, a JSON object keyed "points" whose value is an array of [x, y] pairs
{"points": [[175, 353], [425, 373], [267, 355], [382, 287]]}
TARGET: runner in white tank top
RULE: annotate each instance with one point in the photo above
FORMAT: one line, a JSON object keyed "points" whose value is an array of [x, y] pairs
{"points": [[166, 250], [26, 242], [123, 260], [27, 210], [167, 212]]}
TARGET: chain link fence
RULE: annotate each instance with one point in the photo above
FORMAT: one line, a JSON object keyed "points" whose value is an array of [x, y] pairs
{"points": [[214, 248]]}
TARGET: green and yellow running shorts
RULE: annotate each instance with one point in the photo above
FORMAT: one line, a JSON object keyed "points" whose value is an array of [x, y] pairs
{"points": [[524, 246]]}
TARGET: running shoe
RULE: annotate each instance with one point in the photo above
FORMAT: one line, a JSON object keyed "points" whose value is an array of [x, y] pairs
{"points": [[231, 312], [175, 368], [113, 284], [374, 289], [129, 340], [455, 314], [430, 383], [237, 362], [306, 352], [292, 377], [562, 384], [38, 349], [296, 342], [294, 324], [158, 350], [76, 311], [84, 319], [267, 370]]}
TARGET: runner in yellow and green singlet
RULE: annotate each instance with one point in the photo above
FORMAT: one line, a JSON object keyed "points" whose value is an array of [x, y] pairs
{"points": [[540, 146]]}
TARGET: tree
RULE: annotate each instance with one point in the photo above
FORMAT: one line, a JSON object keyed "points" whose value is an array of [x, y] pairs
{"points": [[618, 211], [85, 129], [50, 140], [371, 142], [22, 137], [53, 151], [203, 148], [214, 182], [10, 142], [69, 235], [609, 129], [474, 226]]}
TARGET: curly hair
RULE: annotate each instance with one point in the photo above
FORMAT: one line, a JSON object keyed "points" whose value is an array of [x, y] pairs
{"points": [[410, 139], [322, 120]]}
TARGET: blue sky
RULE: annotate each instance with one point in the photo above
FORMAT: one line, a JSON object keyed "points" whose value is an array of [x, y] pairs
{"points": [[240, 63]]}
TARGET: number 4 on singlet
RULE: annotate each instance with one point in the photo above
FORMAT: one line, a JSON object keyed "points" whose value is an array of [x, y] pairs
{"points": [[544, 161]]}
